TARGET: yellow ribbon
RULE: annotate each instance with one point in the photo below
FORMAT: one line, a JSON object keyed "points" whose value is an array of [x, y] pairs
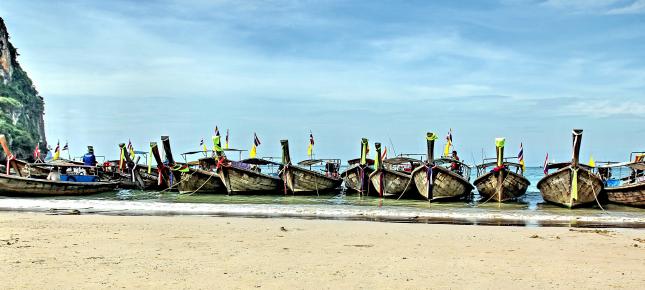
{"points": [[574, 185], [150, 161]]}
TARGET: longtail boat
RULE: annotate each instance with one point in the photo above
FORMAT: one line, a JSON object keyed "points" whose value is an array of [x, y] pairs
{"points": [[301, 180], [445, 178], [357, 176], [192, 178], [572, 184], [129, 173], [72, 181], [626, 189], [390, 177], [505, 181], [241, 177], [20, 167]]}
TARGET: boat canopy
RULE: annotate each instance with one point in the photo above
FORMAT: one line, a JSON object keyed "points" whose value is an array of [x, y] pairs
{"points": [[401, 160], [311, 162], [565, 164], [259, 161], [358, 160], [61, 164], [444, 160], [632, 165]]}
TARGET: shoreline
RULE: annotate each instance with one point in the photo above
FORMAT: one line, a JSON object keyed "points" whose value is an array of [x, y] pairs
{"points": [[91, 251], [398, 214]]}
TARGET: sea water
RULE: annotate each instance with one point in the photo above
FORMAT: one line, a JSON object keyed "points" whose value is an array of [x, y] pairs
{"points": [[530, 210]]}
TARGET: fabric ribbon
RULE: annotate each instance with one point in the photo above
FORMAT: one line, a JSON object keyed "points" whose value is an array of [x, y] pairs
{"points": [[574, 185], [429, 175]]}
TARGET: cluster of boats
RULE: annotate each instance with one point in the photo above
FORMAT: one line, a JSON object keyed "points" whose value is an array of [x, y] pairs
{"points": [[422, 177]]}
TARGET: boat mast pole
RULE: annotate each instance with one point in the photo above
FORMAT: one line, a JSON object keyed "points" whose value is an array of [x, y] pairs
{"points": [[499, 145], [378, 155], [577, 141], [430, 137], [286, 158], [364, 143], [165, 141]]}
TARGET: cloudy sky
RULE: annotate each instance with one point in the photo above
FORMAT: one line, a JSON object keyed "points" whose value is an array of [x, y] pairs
{"points": [[388, 70]]}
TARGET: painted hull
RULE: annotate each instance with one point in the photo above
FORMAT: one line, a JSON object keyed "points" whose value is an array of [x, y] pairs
{"points": [[556, 187], [23, 186], [244, 181], [200, 181], [395, 184], [513, 186], [304, 181], [631, 195], [447, 185], [358, 180]]}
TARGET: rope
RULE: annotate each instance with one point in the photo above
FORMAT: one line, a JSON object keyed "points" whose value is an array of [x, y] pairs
{"points": [[200, 187], [594, 195], [493, 195]]}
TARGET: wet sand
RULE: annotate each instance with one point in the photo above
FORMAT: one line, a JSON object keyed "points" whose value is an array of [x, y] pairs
{"points": [[90, 251]]}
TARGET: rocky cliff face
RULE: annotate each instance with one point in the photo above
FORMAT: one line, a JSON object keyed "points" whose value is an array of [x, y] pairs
{"points": [[21, 108]]}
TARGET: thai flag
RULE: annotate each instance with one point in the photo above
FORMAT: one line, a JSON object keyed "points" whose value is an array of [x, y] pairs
{"points": [[66, 147], [256, 140], [216, 131], [520, 156], [546, 162], [311, 139]]}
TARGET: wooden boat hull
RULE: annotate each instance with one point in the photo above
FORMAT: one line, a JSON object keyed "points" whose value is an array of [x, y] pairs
{"points": [[631, 195], [244, 181], [200, 181], [513, 186], [447, 185], [556, 187], [395, 184], [24, 186], [358, 180], [305, 181]]}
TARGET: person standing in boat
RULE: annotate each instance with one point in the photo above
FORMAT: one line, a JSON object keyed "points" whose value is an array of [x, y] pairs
{"points": [[89, 159], [454, 166]]}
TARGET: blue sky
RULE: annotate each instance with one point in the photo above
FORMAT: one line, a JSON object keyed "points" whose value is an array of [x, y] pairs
{"points": [[387, 70]]}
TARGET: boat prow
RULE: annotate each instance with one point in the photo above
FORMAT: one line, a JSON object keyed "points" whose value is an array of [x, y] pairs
{"points": [[26, 186], [557, 188], [513, 186], [446, 185]]}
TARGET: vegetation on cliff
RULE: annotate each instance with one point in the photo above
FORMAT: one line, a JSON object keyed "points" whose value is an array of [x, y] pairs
{"points": [[21, 107]]}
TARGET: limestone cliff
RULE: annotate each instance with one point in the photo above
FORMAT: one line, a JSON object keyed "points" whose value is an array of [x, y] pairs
{"points": [[21, 108]]}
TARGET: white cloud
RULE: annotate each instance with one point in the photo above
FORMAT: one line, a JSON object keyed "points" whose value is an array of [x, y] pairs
{"points": [[636, 7], [605, 108]]}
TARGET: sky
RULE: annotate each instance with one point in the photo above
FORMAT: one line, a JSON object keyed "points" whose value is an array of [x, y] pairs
{"points": [[390, 71]]}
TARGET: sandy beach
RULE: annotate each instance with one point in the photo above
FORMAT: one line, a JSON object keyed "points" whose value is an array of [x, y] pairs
{"points": [[91, 251]]}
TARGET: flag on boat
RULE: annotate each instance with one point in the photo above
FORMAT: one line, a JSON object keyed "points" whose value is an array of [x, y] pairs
{"points": [[66, 147], [520, 157], [546, 163], [256, 143], [37, 152], [57, 151], [131, 149], [310, 149], [446, 150], [204, 148], [217, 146], [592, 162], [384, 154], [216, 131], [226, 144]]}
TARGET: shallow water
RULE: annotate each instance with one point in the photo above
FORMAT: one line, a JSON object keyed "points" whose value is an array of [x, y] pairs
{"points": [[530, 210]]}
